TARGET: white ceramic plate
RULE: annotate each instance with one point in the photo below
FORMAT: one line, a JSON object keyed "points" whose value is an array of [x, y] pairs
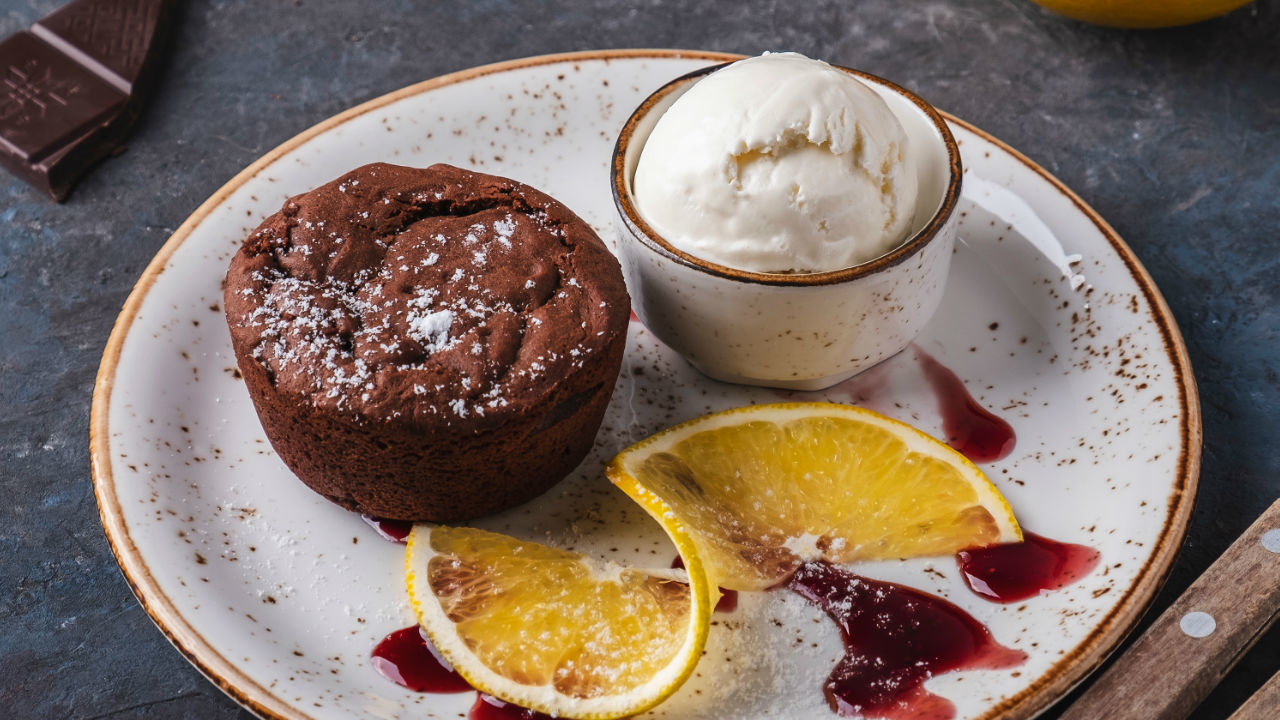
{"points": [[278, 596]]}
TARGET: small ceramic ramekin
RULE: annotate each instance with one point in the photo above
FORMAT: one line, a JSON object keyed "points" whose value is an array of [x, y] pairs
{"points": [[795, 331]]}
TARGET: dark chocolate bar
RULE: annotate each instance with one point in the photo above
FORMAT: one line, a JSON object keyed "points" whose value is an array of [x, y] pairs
{"points": [[71, 88]]}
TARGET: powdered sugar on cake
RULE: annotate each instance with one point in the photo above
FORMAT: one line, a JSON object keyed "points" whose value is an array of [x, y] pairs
{"points": [[432, 330], [459, 311]]}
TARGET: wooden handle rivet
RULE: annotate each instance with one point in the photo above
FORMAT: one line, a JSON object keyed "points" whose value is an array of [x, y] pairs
{"points": [[1198, 624], [1271, 540]]}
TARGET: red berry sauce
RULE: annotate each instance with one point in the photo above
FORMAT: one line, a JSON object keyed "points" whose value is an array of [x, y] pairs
{"points": [[895, 639], [973, 430], [1017, 571], [393, 530], [407, 658], [728, 601]]}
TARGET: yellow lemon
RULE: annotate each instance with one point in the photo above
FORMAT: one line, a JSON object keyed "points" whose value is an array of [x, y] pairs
{"points": [[552, 630], [765, 488]]}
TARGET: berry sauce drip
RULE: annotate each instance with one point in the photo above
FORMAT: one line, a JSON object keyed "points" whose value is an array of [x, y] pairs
{"points": [[970, 428], [407, 658], [1017, 571], [895, 639], [393, 530], [728, 601], [488, 707]]}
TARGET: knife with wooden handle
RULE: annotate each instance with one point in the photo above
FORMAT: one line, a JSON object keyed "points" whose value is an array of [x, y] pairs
{"points": [[1168, 671]]}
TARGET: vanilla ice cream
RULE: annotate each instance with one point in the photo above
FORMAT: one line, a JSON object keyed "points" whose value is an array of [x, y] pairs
{"points": [[778, 163]]}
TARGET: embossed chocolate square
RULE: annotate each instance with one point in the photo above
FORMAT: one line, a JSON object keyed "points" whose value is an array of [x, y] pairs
{"points": [[48, 100], [71, 87]]}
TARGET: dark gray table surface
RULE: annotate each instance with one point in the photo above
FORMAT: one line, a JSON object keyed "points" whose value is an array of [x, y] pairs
{"points": [[1173, 136]]}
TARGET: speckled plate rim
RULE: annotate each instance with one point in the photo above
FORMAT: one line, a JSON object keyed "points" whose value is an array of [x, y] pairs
{"points": [[1060, 679]]}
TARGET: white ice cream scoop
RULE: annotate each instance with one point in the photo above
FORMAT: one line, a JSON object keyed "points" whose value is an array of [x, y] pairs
{"points": [[779, 163], [815, 304]]}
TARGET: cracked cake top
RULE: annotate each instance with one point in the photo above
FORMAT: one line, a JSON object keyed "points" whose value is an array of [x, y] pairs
{"points": [[436, 295]]}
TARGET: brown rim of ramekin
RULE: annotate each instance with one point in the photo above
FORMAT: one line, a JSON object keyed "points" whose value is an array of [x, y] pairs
{"points": [[623, 200]]}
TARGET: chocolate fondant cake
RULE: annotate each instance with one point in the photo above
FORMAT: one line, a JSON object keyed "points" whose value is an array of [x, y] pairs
{"points": [[427, 344]]}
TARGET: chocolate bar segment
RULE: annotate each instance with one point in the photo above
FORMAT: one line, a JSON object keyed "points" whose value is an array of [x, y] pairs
{"points": [[72, 87], [116, 35], [47, 100]]}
